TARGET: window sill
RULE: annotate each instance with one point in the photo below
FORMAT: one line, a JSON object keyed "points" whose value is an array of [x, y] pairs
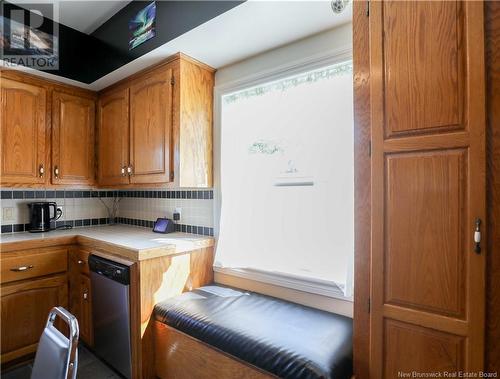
{"points": [[319, 287]]}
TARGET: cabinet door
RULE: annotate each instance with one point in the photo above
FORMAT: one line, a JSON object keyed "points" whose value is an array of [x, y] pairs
{"points": [[73, 123], [113, 139], [85, 320], [25, 308], [151, 128], [23, 133], [79, 293], [428, 186]]}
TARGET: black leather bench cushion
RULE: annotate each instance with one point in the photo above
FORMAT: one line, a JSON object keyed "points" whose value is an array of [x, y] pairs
{"points": [[283, 338]]}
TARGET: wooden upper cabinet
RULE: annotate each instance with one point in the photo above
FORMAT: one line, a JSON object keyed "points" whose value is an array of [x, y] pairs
{"points": [[428, 186], [151, 128], [157, 126], [73, 142], [23, 133], [113, 139]]}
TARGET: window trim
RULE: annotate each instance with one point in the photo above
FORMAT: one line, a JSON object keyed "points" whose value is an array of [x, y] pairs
{"points": [[308, 285]]}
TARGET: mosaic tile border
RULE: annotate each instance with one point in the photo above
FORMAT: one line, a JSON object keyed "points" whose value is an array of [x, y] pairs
{"points": [[78, 194], [191, 229], [17, 228]]}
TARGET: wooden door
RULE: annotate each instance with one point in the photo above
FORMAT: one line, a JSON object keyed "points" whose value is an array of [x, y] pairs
{"points": [[80, 300], [428, 186], [151, 128], [25, 308], [85, 319], [113, 140], [23, 132], [73, 123]]}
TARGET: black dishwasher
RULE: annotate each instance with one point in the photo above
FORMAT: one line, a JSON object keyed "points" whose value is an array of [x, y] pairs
{"points": [[111, 313]]}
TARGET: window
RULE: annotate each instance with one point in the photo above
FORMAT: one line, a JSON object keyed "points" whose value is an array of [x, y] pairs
{"points": [[287, 180]]}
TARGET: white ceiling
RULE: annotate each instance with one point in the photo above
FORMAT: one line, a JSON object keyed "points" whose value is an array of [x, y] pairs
{"points": [[85, 16], [244, 31]]}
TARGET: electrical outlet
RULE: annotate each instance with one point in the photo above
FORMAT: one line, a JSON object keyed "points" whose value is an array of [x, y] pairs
{"points": [[178, 210], [7, 214]]}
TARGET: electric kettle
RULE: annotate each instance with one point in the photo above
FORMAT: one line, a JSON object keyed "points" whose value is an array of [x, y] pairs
{"points": [[40, 216]]}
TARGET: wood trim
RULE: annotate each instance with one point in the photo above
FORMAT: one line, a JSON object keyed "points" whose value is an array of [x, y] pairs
{"points": [[492, 45], [48, 84], [171, 59], [6, 247], [11, 355], [362, 193], [192, 358]]}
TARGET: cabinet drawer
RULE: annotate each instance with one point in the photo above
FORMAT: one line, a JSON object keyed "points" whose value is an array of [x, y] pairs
{"points": [[27, 264], [79, 260]]}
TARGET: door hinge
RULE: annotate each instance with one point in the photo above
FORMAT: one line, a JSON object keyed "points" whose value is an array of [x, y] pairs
{"points": [[368, 8], [370, 148], [369, 305], [172, 80], [171, 176]]}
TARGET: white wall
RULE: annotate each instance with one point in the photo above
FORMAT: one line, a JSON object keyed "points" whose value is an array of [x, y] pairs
{"points": [[314, 47], [310, 47]]}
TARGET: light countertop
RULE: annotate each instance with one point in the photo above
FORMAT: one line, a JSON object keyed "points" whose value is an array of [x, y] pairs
{"points": [[130, 242]]}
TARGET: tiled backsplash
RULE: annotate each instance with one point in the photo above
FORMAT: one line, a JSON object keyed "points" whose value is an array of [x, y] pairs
{"points": [[79, 208], [86, 208], [143, 207]]}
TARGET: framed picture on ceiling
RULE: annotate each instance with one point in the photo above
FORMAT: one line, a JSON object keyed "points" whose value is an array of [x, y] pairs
{"points": [[142, 26]]}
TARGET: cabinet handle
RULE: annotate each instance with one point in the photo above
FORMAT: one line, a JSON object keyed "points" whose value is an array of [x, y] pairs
{"points": [[41, 170], [477, 237], [80, 262], [21, 268], [85, 295], [130, 170], [123, 170], [56, 172]]}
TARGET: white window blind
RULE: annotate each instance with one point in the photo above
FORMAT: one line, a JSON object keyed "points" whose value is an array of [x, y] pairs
{"points": [[287, 177]]}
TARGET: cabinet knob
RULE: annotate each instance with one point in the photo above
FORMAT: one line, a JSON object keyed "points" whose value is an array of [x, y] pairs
{"points": [[85, 295], [130, 170], [123, 171], [21, 268], [80, 262], [56, 172], [41, 170]]}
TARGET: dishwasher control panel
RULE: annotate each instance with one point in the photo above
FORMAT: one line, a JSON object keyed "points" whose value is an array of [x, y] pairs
{"points": [[112, 270]]}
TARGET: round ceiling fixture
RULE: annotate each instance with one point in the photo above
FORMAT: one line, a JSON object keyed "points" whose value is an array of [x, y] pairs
{"points": [[338, 6]]}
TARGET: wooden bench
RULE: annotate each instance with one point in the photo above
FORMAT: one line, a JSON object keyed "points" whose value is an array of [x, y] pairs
{"points": [[225, 333]]}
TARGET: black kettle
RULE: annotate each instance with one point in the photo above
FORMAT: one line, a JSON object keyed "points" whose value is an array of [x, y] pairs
{"points": [[40, 216]]}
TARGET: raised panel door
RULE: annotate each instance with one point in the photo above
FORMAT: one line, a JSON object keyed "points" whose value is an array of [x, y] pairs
{"points": [[23, 133], [413, 349], [423, 66], [113, 138], [73, 142], [428, 186], [25, 308], [85, 320], [151, 128], [426, 228]]}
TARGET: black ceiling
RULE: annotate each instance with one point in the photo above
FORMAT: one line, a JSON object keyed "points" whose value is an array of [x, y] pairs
{"points": [[86, 58]]}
